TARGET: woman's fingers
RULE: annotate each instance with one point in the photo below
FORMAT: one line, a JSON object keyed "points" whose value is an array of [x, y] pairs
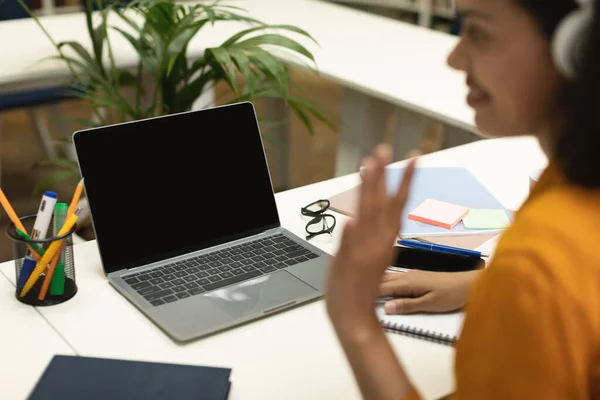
{"points": [[366, 198], [373, 192], [392, 276], [396, 288], [401, 287], [410, 305], [382, 156]]}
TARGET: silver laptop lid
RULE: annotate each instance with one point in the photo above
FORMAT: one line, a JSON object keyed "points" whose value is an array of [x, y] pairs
{"points": [[166, 186]]}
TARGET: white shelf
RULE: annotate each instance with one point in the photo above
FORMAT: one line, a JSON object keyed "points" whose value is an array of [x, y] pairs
{"points": [[400, 5], [424, 9]]}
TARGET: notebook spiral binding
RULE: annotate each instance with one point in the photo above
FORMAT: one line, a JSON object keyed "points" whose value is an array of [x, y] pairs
{"points": [[418, 333]]}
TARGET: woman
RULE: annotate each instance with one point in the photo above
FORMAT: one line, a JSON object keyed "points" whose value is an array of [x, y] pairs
{"points": [[532, 326]]}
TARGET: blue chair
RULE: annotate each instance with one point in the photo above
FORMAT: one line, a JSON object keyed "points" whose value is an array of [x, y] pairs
{"points": [[32, 100]]}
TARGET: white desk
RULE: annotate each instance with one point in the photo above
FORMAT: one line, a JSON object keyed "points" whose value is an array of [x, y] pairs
{"points": [[385, 66], [295, 354], [27, 342]]}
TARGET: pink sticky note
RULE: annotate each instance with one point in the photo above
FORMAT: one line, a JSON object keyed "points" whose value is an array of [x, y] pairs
{"points": [[438, 213]]}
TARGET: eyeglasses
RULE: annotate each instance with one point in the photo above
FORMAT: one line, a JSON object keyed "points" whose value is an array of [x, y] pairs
{"points": [[321, 222]]}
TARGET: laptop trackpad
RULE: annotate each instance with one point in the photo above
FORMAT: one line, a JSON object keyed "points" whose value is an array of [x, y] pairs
{"points": [[263, 294]]}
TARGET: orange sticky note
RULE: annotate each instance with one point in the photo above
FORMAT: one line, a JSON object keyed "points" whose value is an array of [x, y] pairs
{"points": [[438, 213]]}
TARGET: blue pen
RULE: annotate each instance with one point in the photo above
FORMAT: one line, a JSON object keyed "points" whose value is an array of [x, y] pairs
{"points": [[40, 228], [442, 248]]}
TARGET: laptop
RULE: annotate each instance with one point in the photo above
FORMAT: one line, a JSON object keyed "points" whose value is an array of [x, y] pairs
{"points": [[186, 223]]}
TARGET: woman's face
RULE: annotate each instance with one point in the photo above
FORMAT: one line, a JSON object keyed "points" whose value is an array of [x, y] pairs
{"points": [[509, 69]]}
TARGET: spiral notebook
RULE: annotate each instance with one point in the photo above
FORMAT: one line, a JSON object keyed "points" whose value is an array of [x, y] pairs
{"points": [[439, 328]]}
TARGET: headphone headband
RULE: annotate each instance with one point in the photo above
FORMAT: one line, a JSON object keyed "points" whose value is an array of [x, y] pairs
{"points": [[568, 39]]}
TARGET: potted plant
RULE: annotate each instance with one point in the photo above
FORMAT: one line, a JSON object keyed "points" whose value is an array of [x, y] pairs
{"points": [[165, 80]]}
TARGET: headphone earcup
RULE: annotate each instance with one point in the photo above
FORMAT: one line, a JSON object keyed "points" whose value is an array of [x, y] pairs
{"points": [[568, 38]]}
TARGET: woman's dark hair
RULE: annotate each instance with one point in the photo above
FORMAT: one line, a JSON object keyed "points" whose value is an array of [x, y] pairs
{"points": [[577, 148]]}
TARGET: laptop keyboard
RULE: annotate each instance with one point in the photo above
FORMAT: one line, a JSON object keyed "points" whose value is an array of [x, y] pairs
{"points": [[218, 269]]}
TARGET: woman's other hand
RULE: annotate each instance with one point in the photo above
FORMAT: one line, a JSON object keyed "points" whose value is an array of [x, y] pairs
{"points": [[425, 291]]}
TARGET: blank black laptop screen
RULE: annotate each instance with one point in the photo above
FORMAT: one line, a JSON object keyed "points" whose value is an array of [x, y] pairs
{"points": [[171, 185]]}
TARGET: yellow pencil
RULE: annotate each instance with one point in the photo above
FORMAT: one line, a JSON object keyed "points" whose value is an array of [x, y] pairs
{"points": [[75, 199], [11, 212], [52, 249], [16, 221]]}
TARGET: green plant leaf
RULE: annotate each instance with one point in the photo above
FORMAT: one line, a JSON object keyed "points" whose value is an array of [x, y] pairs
{"points": [[253, 81], [160, 17], [115, 99], [90, 71], [198, 65], [81, 52], [276, 40], [95, 79], [263, 92], [313, 109], [104, 11], [100, 101], [84, 122], [225, 15], [177, 47], [126, 78], [210, 12], [99, 38], [52, 179], [59, 162], [224, 60], [143, 51], [229, 6], [193, 90], [123, 14], [303, 117], [269, 65], [241, 61], [232, 40], [146, 50], [63, 140]]}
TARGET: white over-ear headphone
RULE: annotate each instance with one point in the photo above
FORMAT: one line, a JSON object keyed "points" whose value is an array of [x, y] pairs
{"points": [[568, 38]]}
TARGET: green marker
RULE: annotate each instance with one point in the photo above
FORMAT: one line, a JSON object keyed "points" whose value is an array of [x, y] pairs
{"points": [[38, 249], [57, 284]]}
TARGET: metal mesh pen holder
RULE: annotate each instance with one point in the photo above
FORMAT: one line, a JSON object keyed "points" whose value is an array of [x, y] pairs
{"points": [[61, 285]]}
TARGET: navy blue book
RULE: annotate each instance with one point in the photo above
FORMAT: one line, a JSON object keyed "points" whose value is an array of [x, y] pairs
{"points": [[76, 378]]}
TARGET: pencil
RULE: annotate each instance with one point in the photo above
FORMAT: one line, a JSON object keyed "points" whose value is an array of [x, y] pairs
{"points": [[52, 249], [16, 221], [50, 272], [11, 212], [75, 198]]}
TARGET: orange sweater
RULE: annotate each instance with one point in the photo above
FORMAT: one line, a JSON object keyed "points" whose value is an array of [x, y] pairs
{"points": [[532, 326]]}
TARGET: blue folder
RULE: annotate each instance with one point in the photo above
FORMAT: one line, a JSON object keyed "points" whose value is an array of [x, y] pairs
{"points": [[453, 185], [76, 378]]}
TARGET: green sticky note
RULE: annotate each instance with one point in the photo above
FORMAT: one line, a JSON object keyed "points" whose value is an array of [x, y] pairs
{"points": [[486, 219]]}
